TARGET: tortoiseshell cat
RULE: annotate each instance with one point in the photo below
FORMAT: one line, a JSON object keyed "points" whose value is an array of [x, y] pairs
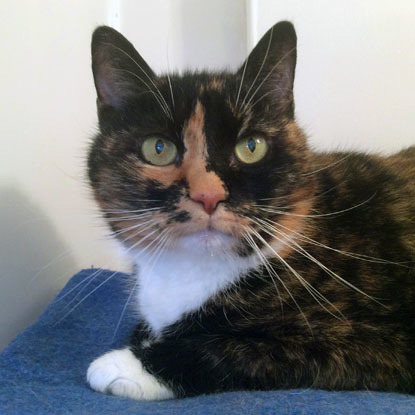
{"points": [[259, 263]]}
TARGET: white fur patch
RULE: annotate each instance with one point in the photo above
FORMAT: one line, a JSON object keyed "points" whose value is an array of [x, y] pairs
{"points": [[120, 373], [183, 279]]}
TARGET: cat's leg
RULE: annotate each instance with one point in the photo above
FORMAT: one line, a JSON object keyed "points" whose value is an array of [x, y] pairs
{"points": [[210, 363], [120, 373], [199, 362]]}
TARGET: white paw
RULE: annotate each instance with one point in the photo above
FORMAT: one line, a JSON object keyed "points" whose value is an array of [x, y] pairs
{"points": [[120, 373]]}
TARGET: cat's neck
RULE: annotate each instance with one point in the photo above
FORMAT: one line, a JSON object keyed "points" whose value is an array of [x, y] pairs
{"points": [[179, 283]]}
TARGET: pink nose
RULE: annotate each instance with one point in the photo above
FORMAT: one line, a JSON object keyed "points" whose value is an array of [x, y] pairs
{"points": [[209, 200]]}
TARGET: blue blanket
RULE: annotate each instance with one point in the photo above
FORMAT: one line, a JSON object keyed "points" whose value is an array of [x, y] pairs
{"points": [[43, 370]]}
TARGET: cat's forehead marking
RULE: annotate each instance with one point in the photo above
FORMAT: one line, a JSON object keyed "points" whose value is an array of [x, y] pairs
{"points": [[195, 158], [215, 84], [194, 135]]}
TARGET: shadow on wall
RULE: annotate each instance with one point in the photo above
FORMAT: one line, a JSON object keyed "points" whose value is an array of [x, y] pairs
{"points": [[34, 263]]}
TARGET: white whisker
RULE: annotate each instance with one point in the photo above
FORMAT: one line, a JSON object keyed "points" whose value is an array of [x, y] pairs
{"points": [[277, 211], [145, 73], [107, 279], [163, 105], [272, 273], [312, 291], [354, 255], [240, 85], [259, 70], [328, 165], [133, 290], [268, 75], [292, 244], [168, 78], [309, 287], [88, 278]]}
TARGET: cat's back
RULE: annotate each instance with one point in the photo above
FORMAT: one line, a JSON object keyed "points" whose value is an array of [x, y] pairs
{"points": [[354, 173], [376, 194], [403, 164]]}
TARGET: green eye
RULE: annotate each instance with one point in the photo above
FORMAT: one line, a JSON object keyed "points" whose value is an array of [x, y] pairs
{"points": [[250, 150], [159, 151]]}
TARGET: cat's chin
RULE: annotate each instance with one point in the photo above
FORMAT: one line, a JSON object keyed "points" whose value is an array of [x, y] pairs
{"points": [[209, 241]]}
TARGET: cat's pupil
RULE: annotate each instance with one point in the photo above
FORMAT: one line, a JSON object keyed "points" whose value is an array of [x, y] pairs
{"points": [[159, 146], [251, 145]]}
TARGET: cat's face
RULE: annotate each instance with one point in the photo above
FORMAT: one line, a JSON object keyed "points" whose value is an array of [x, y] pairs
{"points": [[194, 161]]}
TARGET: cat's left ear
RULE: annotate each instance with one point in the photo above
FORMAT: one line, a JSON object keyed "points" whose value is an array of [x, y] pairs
{"points": [[119, 70], [269, 70]]}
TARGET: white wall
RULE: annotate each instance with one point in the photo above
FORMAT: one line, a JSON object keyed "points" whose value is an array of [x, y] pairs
{"points": [[47, 116], [191, 34], [355, 83]]}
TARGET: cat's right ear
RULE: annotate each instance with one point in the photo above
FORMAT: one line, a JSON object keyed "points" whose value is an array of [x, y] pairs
{"points": [[270, 68], [119, 70]]}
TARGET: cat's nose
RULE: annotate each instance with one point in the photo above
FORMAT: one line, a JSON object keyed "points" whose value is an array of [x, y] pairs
{"points": [[209, 200]]}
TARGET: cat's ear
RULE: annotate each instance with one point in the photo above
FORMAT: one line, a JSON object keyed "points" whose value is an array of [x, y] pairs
{"points": [[119, 71], [270, 68]]}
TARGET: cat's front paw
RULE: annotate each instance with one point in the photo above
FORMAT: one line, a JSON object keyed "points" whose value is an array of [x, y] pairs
{"points": [[120, 373]]}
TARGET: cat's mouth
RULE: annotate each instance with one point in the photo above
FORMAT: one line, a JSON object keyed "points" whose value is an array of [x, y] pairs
{"points": [[209, 240], [215, 235]]}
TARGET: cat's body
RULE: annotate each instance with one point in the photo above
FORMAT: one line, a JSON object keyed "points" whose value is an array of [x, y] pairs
{"points": [[295, 269]]}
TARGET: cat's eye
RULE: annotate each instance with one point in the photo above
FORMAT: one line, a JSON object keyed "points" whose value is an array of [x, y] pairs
{"points": [[159, 151], [250, 150]]}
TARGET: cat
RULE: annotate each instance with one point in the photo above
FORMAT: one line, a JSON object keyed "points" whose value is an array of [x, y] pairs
{"points": [[259, 263]]}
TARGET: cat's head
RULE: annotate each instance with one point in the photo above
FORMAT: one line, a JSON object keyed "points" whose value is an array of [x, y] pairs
{"points": [[199, 161]]}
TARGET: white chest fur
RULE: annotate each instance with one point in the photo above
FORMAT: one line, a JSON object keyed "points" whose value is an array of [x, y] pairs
{"points": [[181, 282]]}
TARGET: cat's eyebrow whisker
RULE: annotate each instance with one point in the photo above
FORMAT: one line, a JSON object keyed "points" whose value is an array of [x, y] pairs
{"points": [[272, 273], [270, 210], [162, 103], [268, 75], [260, 68], [145, 73], [241, 83], [265, 95], [168, 78], [320, 298]]}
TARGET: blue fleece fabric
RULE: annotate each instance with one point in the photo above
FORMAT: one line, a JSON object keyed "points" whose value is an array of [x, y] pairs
{"points": [[43, 370]]}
